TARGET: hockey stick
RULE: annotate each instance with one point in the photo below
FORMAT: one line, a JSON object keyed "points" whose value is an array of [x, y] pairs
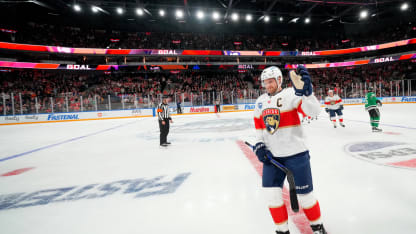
{"points": [[290, 179]]}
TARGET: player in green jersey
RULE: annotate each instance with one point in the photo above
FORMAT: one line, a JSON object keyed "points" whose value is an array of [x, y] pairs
{"points": [[371, 105]]}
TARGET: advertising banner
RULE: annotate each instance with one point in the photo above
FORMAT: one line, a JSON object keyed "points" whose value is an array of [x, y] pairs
{"points": [[75, 116]]}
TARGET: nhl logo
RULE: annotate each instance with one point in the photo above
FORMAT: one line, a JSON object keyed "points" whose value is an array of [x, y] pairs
{"points": [[392, 154], [271, 119]]}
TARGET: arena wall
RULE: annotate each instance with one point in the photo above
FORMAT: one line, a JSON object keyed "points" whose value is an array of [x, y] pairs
{"points": [[151, 112]]}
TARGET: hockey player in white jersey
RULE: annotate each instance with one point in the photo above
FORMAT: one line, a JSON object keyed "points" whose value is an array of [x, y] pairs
{"points": [[334, 106], [279, 135]]}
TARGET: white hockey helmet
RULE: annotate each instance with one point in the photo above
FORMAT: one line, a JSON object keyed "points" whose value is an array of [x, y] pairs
{"points": [[272, 72]]}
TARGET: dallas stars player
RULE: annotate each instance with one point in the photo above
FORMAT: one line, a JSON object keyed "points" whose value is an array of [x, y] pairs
{"points": [[371, 103]]}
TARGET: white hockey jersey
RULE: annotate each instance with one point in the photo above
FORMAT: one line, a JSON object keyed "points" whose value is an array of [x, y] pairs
{"points": [[333, 103], [277, 121]]}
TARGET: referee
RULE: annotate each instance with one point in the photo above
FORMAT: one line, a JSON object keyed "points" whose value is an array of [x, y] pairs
{"points": [[164, 119]]}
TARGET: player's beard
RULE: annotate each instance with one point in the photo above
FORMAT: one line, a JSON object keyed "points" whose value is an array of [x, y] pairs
{"points": [[274, 90]]}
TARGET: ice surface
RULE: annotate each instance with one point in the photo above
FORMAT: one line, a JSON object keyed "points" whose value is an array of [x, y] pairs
{"points": [[111, 176]]}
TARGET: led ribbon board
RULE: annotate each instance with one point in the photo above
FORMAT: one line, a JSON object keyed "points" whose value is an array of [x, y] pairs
{"points": [[97, 51]]}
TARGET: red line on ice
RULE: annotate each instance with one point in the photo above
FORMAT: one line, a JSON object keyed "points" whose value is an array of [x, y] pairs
{"points": [[17, 172]]}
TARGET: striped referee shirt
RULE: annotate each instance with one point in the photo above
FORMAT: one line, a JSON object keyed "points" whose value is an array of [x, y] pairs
{"points": [[163, 112]]}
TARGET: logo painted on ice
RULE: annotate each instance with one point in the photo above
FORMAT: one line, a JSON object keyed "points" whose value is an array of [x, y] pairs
{"points": [[393, 154], [138, 188]]}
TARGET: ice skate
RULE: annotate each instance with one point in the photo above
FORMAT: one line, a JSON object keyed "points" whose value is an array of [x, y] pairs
{"points": [[318, 229], [376, 129]]}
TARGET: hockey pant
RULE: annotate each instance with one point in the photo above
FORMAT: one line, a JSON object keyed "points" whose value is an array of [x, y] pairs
{"points": [[374, 117], [273, 179], [164, 131], [333, 113]]}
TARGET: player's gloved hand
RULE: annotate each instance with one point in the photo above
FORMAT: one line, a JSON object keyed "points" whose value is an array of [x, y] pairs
{"points": [[341, 107], [379, 103], [301, 81], [327, 110], [261, 152]]}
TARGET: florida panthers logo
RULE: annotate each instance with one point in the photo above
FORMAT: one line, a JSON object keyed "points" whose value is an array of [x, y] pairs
{"points": [[271, 119]]}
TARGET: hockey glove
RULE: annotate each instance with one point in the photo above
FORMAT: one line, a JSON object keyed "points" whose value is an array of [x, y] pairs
{"points": [[379, 103], [301, 81], [261, 152], [341, 107], [327, 110]]}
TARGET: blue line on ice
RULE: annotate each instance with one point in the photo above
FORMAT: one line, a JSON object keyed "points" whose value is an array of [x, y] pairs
{"points": [[60, 143]]}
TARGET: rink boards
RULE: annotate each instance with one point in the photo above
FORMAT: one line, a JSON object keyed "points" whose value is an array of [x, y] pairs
{"points": [[151, 112]]}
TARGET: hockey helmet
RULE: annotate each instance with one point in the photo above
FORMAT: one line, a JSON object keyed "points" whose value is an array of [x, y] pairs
{"points": [[271, 72]]}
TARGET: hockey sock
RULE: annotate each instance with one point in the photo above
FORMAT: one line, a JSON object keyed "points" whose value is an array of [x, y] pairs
{"points": [[313, 214], [280, 217], [375, 121], [277, 207], [311, 208]]}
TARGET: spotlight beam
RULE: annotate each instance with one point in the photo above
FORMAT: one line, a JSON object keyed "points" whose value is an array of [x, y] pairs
{"points": [[271, 6], [222, 4], [260, 18], [147, 11], [341, 14], [230, 4], [185, 3]]}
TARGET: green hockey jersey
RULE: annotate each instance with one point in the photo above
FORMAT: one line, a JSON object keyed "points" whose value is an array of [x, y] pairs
{"points": [[370, 101]]}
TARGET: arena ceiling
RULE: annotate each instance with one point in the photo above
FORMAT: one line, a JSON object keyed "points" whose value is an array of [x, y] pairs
{"points": [[263, 13]]}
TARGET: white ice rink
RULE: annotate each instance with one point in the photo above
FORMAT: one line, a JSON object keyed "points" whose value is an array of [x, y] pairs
{"points": [[111, 176]]}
